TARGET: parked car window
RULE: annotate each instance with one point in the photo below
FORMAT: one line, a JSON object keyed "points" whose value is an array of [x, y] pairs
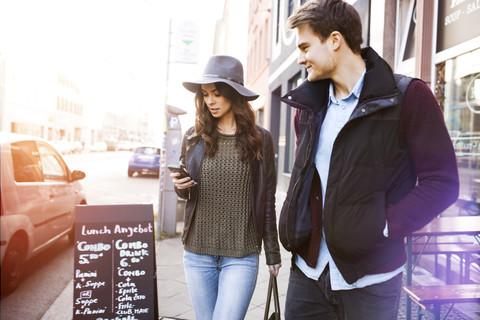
{"points": [[52, 166], [148, 150], [26, 166]]}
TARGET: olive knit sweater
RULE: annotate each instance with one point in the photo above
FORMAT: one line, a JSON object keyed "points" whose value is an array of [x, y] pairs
{"points": [[222, 223]]}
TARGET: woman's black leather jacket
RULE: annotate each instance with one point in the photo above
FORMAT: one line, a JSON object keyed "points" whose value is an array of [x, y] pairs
{"points": [[264, 188]]}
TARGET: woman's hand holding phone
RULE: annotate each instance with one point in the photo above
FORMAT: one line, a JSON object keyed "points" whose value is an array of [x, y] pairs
{"points": [[180, 177]]}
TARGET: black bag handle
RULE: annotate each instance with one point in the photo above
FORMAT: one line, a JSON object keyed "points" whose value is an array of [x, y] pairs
{"points": [[272, 286]]}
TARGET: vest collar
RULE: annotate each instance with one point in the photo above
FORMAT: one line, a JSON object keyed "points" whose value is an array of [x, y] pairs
{"points": [[378, 83]]}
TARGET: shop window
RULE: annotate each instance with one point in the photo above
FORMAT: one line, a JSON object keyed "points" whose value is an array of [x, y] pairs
{"points": [[291, 7], [409, 49], [363, 8], [277, 23], [407, 17], [26, 128], [458, 93]]}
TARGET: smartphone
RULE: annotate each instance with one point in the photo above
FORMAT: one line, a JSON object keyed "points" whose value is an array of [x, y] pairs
{"points": [[178, 168]]}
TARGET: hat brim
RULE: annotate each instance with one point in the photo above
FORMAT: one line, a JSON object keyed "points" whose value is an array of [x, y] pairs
{"points": [[193, 86]]}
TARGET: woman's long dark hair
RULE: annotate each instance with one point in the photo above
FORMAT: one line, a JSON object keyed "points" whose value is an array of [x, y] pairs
{"points": [[249, 139]]}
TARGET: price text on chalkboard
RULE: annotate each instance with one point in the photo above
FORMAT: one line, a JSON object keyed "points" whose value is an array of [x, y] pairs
{"points": [[114, 263]]}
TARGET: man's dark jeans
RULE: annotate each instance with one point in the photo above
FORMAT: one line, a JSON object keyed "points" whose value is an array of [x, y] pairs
{"points": [[310, 299]]}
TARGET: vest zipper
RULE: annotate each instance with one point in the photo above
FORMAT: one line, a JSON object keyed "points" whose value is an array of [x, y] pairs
{"points": [[307, 159], [389, 97]]}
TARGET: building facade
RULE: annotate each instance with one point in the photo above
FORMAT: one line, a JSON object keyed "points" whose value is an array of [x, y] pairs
{"points": [[433, 40], [258, 57], [46, 92]]}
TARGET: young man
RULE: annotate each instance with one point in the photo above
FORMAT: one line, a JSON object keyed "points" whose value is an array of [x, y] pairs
{"points": [[374, 162]]}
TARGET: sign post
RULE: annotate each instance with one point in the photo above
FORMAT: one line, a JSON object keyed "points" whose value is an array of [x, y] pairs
{"points": [[114, 263], [168, 197]]}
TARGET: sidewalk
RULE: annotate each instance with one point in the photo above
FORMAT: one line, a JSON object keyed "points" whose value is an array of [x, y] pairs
{"points": [[174, 301]]}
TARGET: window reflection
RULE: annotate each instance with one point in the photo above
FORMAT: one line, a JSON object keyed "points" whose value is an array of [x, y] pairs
{"points": [[52, 165], [25, 162], [461, 106]]}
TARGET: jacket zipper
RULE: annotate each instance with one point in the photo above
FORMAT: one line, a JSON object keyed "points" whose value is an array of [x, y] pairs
{"points": [[252, 216], [195, 206]]}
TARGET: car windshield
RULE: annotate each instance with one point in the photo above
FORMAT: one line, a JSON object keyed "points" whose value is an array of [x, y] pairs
{"points": [[148, 150]]}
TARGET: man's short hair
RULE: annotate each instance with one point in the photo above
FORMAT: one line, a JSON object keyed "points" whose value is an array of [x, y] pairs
{"points": [[326, 16]]}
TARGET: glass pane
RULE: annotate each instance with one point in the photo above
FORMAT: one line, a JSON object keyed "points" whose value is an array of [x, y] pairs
{"points": [[25, 162], [410, 45], [148, 150], [462, 117], [52, 165]]}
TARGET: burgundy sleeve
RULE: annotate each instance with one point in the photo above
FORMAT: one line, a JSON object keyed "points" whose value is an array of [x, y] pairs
{"points": [[422, 130]]}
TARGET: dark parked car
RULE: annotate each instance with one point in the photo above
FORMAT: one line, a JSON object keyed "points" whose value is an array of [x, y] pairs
{"points": [[145, 160], [38, 198]]}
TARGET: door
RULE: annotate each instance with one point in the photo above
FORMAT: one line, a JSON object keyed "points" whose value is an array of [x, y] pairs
{"points": [[26, 200], [61, 192]]}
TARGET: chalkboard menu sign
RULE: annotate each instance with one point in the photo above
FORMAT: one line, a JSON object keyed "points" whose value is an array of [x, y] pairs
{"points": [[114, 263]]}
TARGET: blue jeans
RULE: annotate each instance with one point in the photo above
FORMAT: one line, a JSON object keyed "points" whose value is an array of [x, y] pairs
{"points": [[310, 299], [220, 287]]}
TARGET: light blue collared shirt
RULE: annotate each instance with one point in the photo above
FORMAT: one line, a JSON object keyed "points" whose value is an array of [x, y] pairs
{"points": [[338, 114]]}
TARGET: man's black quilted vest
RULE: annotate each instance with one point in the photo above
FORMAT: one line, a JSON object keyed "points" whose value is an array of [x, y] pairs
{"points": [[370, 169]]}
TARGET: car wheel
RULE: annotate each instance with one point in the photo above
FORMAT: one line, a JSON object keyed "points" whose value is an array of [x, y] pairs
{"points": [[130, 172], [13, 264]]}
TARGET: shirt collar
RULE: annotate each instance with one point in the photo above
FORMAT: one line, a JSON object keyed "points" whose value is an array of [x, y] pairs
{"points": [[357, 89]]}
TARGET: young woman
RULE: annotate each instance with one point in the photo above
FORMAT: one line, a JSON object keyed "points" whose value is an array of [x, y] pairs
{"points": [[230, 194]]}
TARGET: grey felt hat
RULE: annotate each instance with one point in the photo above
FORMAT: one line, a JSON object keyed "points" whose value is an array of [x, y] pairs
{"points": [[226, 69]]}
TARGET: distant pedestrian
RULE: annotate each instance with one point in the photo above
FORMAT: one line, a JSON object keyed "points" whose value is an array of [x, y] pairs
{"points": [[230, 194], [374, 162]]}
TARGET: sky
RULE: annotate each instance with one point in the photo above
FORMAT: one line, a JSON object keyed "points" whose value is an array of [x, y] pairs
{"points": [[116, 49]]}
